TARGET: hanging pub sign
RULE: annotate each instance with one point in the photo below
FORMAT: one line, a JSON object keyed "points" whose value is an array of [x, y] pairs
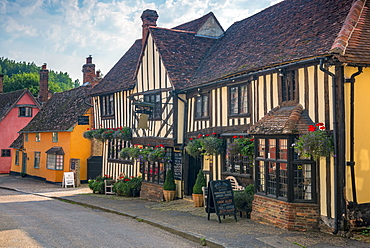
{"points": [[221, 198], [83, 120]]}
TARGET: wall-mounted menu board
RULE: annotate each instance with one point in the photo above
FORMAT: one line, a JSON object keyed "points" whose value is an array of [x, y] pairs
{"points": [[221, 196], [177, 166]]}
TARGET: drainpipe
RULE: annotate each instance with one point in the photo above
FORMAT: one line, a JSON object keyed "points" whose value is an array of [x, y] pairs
{"points": [[351, 161], [336, 169]]}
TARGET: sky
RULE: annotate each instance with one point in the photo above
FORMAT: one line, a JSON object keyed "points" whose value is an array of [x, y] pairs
{"points": [[63, 33]]}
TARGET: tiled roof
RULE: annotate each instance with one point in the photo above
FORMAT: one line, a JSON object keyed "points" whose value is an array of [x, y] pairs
{"points": [[353, 41], [18, 142], [61, 111], [195, 25], [122, 75], [289, 30], [181, 53], [283, 120], [7, 101]]}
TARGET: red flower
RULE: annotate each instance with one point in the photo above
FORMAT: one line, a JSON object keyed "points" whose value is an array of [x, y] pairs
{"points": [[200, 136], [241, 136], [161, 145], [235, 136], [88, 128], [319, 124], [252, 139], [322, 128], [311, 128], [207, 135], [191, 139], [126, 180], [214, 133]]}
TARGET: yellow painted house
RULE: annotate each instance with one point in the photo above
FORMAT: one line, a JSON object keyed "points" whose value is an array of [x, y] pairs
{"points": [[53, 141]]}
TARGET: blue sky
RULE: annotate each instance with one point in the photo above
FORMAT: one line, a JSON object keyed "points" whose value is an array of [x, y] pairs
{"points": [[62, 33]]}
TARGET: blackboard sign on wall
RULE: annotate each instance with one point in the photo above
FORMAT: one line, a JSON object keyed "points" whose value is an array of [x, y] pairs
{"points": [[221, 198], [177, 166]]}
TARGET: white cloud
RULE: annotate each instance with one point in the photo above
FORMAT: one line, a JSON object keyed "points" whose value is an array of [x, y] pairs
{"points": [[62, 33]]}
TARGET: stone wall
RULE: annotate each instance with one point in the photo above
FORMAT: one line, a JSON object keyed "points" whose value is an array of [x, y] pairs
{"points": [[290, 216], [151, 191]]}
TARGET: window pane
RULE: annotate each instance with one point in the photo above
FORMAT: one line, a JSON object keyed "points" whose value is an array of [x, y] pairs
{"points": [[283, 180], [16, 157], [272, 148], [37, 160], [260, 176], [302, 181], [205, 105], [261, 148], [198, 107], [50, 161], [59, 162], [38, 137], [243, 100], [234, 100], [55, 137], [283, 149], [271, 178]]}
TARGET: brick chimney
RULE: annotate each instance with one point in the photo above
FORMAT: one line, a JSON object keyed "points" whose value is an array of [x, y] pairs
{"points": [[96, 79], [88, 71], [1, 83], [149, 18], [44, 84]]}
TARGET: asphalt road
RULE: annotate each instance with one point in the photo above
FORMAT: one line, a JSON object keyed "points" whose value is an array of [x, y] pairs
{"points": [[28, 220]]}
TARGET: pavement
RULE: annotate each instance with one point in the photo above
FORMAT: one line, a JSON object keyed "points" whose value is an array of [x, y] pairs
{"points": [[182, 218]]}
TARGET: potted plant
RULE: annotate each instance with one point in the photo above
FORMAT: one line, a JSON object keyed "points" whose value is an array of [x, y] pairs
{"points": [[243, 199], [197, 195], [169, 186]]}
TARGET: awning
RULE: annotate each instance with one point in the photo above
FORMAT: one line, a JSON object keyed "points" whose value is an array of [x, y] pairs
{"points": [[55, 150]]}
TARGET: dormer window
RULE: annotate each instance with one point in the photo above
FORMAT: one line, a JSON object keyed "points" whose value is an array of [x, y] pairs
{"points": [[25, 112]]}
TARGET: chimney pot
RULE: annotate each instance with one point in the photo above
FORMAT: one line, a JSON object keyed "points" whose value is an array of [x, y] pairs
{"points": [[89, 60], [44, 66]]}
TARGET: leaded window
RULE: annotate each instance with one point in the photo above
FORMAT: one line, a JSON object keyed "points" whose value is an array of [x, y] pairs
{"points": [[201, 107], [239, 103], [156, 100], [54, 162], [107, 105], [55, 137], [289, 85]]}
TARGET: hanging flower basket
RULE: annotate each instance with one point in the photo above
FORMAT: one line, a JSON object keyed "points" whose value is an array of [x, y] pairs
{"points": [[242, 146], [107, 135], [125, 153], [88, 134], [194, 148], [122, 133], [158, 154], [316, 143], [212, 145]]}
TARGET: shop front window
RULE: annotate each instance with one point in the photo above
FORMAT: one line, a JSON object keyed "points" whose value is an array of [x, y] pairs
{"points": [[279, 175]]}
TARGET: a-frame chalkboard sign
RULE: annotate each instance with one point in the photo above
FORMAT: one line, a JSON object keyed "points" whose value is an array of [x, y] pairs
{"points": [[220, 199]]}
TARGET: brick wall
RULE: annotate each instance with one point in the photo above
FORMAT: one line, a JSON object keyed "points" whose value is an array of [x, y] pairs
{"points": [[151, 191], [290, 216]]}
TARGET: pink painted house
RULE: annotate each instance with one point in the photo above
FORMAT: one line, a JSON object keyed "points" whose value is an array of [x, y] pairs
{"points": [[16, 110]]}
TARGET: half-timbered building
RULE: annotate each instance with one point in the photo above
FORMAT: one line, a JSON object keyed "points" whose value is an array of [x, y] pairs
{"points": [[269, 76]]}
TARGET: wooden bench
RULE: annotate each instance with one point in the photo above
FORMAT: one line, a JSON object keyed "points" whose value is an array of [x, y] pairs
{"points": [[234, 183], [109, 187]]}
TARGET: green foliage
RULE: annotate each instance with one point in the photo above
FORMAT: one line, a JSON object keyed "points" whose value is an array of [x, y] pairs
{"points": [[203, 241], [243, 199], [169, 183], [22, 75], [316, 143], [199, 183], [194, 148], [212, 145], [206, 145], [102, 134], [128, 186], [242, 146], [97, 185]]}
